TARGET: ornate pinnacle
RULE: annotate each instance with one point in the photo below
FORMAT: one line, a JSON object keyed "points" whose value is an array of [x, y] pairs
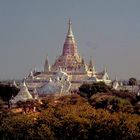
{"points": [[70, 33]]}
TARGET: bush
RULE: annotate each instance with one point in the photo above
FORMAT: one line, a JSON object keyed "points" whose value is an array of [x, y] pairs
{"points": [[132, 81], [111, 103], [87, 90], [73, 118], [119, 104]]}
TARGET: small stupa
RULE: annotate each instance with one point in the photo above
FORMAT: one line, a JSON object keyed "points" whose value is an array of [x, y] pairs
{"points": [[15, 84], [115, 84], [23, 94]]}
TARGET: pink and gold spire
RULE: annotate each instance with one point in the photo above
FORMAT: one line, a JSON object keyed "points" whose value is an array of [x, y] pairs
{"points": [[69, 59], [70, 47]]}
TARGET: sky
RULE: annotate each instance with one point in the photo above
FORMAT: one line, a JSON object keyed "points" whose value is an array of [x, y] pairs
{"points": [[108, 31]]}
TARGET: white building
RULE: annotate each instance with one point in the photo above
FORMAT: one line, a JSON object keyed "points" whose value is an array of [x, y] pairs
{"points": [[23, 94]]}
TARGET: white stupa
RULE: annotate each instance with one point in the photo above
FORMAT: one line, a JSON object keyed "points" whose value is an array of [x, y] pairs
{"points": [[15, 84], [115, 84], [58, 84], [23, 94]]}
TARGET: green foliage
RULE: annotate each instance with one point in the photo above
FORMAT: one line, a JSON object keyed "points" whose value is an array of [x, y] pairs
{"points": [[87, 90], [137, 108], [24, 127], [72, 117], [111, 103], [1, 104], [132, 81], [7, 91], [125, 95], [119, 104]]}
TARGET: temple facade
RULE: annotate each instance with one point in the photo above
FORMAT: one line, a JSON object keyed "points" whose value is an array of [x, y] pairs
{"points": [[69, 62]]}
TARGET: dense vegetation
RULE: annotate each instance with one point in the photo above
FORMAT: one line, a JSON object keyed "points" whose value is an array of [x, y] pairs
{"points": [[7, 91], [104, 115], [87, 90], [132, 81]]}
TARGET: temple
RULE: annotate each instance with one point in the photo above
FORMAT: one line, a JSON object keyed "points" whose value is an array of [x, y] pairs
{"points": [[69, 62]]}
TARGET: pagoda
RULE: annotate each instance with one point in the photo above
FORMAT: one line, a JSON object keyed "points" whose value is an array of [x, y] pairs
{"points": [[70, 63], [70, 60]]}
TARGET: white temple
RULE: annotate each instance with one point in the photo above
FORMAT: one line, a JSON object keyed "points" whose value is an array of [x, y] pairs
{"points": [[58, 84], [68, 69], [23, 94], [115, 84]]}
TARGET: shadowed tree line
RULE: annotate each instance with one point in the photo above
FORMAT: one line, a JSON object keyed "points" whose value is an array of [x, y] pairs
{"points": [[70, 118], [100, 95], [7, 91], [98, 113]]}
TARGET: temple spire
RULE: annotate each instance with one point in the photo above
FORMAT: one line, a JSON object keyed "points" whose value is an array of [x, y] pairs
{"points": [[70, 33], [105, 70], [46, 65], [70, 47], [90, 65], [69, 59]]}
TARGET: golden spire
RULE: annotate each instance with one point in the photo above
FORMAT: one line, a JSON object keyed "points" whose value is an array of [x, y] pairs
{"points": [[70, 33]]}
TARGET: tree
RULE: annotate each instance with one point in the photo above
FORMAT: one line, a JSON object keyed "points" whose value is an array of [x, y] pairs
{"points": [[1, 104], [87, 90], [132, 82], [7, 91], [74, 119]]}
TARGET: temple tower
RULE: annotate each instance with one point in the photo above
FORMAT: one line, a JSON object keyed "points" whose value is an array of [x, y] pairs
{"points": [[90, 66], [46, 65], [69, 60], [69, 47]]}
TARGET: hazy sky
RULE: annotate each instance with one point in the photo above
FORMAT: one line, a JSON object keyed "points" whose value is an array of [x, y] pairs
{"points": [[107, 30]]}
